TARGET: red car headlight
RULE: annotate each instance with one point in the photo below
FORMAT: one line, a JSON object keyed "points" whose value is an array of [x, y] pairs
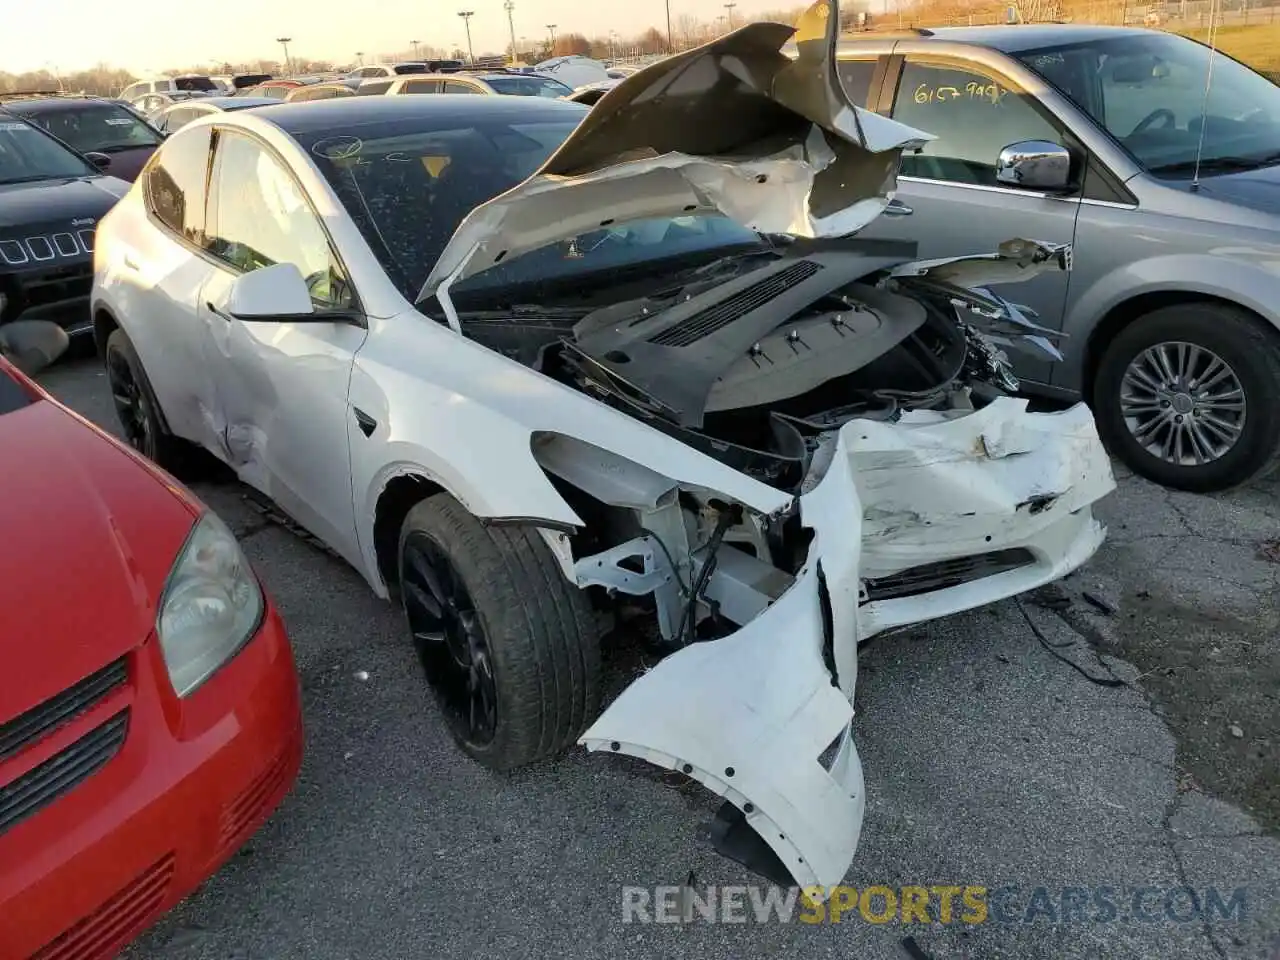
{"points": [[210, 607]]}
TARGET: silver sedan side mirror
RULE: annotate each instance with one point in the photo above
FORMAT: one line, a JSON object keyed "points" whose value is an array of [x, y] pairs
{"points": [[1034, 165]]}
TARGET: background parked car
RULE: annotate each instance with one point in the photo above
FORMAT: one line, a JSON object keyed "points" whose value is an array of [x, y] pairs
{"points": [[180, 114], [1095, 136], [375, 71], [92, 125], [147, 732], [497, 83], [187, 83], [150, 103], [590, 93], [323, 91]]}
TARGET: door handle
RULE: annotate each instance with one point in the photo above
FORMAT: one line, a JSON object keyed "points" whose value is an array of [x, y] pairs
{"points": [[215, 311], [130, 263], [897, 208]]}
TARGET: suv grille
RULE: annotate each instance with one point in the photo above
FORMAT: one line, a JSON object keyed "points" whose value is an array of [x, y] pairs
{"points": [[43, 719], [50, 248], [62, 772]]}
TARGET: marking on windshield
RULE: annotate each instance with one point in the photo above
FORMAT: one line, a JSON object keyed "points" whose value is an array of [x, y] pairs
{"points": [[14, 126], [338, 148]]}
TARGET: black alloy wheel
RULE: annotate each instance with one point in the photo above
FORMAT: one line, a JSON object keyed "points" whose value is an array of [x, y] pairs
{"points": [[450, 640]]}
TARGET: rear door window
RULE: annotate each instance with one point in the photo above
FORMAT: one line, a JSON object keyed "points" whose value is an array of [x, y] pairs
{"points": [[456, 86]]}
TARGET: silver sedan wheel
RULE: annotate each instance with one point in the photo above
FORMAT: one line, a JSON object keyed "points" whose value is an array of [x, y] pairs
{"points": [[1183, 403]]}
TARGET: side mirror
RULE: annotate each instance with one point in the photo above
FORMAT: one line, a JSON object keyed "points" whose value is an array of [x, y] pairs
{"points": [[277, 292], [1034, 165], [99, 160]]}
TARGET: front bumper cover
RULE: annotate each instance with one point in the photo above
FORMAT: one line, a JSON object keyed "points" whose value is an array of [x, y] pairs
{"points": [[756, 715]]}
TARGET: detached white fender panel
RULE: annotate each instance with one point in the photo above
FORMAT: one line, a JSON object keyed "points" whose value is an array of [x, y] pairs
{"points": [[748, 716]]}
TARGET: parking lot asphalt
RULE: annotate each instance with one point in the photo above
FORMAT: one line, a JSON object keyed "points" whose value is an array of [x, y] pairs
{"points": [[989, 761]]}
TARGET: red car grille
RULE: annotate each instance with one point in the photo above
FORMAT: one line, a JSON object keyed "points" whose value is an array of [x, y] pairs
{"points": [[62, 772], [43, 719], [239, 815], [101, 934]]}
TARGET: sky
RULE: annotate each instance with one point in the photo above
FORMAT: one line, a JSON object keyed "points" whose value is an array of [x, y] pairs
{"points": [[68, 35]]}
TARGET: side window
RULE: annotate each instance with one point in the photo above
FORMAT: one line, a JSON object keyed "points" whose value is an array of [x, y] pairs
{"points": [[421, 86], [258, 216], [855, 76], [454, 86], [973, 115], [175, 187], [177, 119], [373, 88]]}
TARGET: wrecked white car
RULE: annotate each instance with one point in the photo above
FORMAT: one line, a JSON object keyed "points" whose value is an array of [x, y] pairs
{"points": [[533, 370]]}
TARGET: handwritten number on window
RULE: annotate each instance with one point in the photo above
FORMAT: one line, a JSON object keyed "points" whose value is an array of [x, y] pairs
{"points": [[972, 91]]}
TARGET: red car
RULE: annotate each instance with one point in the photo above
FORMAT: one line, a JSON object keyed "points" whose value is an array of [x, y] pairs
{"points": [[149, 707]]}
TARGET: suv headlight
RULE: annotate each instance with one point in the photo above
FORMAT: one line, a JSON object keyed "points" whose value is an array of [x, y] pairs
{"points": [[211, 605]]}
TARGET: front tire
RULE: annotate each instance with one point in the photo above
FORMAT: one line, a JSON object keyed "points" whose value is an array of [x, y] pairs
{"points": [[510, 648], [1187, 395]]}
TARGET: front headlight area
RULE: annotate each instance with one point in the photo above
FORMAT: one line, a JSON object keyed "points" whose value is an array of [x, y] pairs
{"points": [[212, 605], [700, 563]]}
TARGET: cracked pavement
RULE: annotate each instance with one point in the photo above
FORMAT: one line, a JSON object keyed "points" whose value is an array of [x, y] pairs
{"points": [[989, 761]]}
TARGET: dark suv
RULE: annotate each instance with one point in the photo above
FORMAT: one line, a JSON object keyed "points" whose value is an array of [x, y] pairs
{"points": [[92, 125], [51, 199]]}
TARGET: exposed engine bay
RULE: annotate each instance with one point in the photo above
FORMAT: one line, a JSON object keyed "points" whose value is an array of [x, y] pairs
{"points": [[753, 358]]}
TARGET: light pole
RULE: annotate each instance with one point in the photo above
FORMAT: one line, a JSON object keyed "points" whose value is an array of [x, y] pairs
{"points": [[510, 7], [551, 29], [415, 50], [466, 16], [359, 58], [284, 42], [729, 7], [671, 47]]}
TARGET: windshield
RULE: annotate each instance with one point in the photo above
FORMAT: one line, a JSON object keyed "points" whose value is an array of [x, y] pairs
{"points": [[1148, 91], [103, 127], [529, 86], [26, 154], [408, 189]]}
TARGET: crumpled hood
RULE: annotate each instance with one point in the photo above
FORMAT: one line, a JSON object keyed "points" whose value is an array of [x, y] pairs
{"points": [[90, 534], [735, 126]]}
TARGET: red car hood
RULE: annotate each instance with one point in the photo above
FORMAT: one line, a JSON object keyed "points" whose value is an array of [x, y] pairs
{"points": [[90, 531]]}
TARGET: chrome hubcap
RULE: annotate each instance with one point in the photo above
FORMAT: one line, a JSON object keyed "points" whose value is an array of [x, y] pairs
{"points": [[1183, 403]]}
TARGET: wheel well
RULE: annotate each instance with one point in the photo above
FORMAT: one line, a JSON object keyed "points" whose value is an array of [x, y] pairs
{"points": [[1123, 314], [399, 496], [103, 326]]}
